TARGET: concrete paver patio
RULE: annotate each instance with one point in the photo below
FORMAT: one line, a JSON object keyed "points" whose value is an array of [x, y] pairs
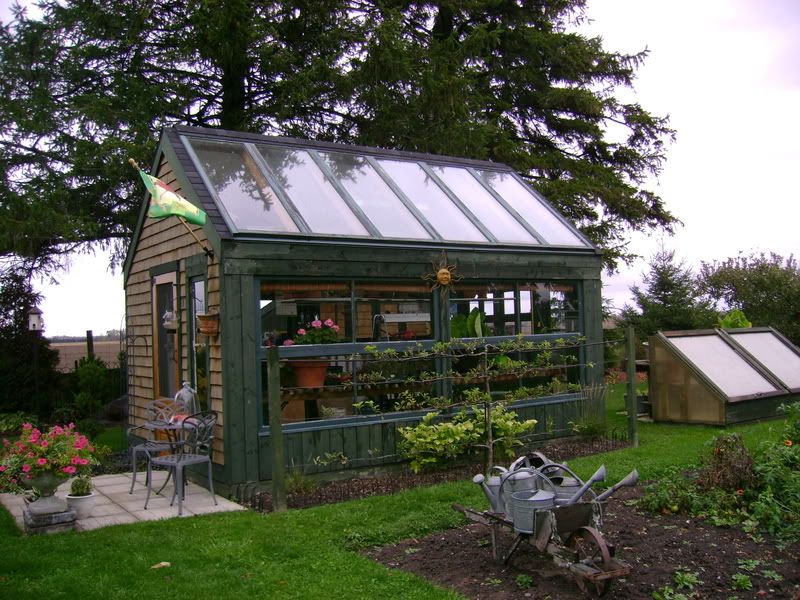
{"points": [[116, 506]]}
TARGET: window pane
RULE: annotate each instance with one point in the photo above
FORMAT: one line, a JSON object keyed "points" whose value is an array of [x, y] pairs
{"points": [[531, 209], [480, 310], [390, 312], [287, 307], [432, 202], [773, 354], [315, 198], [483, 205], [549, 307], [722, 365], [242, 188], [374, 196], [199, 343]]}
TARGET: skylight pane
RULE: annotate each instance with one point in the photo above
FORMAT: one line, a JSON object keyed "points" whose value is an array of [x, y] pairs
{"points": [[374, 196], [483, 205], [242, 188], [771, 352], [723, 366], [432, 202], [316, 199], [538, 216]]}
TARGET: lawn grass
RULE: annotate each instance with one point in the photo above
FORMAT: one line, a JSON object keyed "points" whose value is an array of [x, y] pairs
{"points": [[113, 437], [297, 554]]}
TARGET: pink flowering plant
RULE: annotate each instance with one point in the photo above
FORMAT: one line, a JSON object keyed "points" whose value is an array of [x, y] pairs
{"points": [[62, 450], [316, 332]]}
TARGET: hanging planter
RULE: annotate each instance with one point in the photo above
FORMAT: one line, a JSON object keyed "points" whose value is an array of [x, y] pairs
{"points": [[208, 324]]}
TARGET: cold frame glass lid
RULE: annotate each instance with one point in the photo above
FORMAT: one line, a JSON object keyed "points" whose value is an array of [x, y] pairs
{"points": [[483, 205], [315, 198], [540, 217], [771, 352], [729, 371], [242, 188], [431, 201], [374, 196]]}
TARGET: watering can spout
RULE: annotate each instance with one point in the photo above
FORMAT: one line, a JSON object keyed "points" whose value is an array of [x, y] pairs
{"points": [[491, 489], [599, 475]]}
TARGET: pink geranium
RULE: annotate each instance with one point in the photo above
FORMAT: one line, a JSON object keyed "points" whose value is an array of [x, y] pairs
{"points": [[318, 332], [60, 450]]}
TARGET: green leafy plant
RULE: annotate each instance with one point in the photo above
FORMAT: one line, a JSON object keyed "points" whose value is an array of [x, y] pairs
{"points": [[12, 422], [734, 319], [523, 581], [740, 581], [667, 593], [81, 486], [686, 579]]}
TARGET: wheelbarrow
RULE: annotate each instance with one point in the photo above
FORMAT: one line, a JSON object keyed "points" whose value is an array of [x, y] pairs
{"points": [[557, 522]]}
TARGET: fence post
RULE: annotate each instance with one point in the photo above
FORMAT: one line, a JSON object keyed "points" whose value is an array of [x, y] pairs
{"points": [[633, 432], [276, 430]]}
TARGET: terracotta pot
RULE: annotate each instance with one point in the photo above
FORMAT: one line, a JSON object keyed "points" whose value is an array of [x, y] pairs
{"points": [[309, 373]]}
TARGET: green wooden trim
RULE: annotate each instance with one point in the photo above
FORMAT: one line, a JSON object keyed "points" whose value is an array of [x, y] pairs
{"points": [[172, 266], [372, 440]]}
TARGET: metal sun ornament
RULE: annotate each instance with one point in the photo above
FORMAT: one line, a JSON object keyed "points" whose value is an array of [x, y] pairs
{"points": [[443, 275]]}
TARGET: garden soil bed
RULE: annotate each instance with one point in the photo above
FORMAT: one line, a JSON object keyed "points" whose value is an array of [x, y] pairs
{"points": [[656, 547]]}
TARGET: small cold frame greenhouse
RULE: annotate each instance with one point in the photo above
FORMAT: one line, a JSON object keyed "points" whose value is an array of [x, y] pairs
{"points": [[722, 376], [334, 254]]}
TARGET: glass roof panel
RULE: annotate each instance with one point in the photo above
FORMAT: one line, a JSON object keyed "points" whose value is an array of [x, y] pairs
{"points": [[771, 352], [432, 202], [242, 188], [386, 211], [547, 224], [723, 366], [323, 209], [483, 205]]}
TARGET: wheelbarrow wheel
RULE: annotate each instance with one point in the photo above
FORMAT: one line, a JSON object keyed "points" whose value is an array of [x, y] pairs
{"points": [[592, 551]]}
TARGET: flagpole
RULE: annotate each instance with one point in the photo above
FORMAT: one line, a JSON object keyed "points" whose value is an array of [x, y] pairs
{"points": [[208, 251]]}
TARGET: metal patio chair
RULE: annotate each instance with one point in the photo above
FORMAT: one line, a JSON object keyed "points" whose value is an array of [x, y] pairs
{"points": [[193, 447], [159, 416]]}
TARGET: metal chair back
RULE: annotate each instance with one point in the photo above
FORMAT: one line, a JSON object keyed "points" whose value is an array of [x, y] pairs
{"points": [[164, 409], [197, 433]]}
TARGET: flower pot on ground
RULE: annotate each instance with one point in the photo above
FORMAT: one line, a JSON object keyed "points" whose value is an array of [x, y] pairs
{"points": [[81, 498], [42, 461]]}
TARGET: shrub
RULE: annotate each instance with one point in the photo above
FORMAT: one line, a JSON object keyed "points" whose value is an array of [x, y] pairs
{"points": [[733, 487]]}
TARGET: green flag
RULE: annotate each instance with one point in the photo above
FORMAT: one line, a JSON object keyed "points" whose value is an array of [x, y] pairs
{"points": [[164, 202]]}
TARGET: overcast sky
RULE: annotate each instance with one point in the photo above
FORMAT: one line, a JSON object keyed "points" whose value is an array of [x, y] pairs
{"points": [[727, 72]]}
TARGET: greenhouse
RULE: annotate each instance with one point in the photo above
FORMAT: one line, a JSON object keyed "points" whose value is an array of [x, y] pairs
{"points": [[722, 376], [334, 254]]}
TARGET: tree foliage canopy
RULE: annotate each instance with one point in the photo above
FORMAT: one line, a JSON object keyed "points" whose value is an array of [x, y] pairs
{"points": [[671, 301], [765, 287], [88, 83]]}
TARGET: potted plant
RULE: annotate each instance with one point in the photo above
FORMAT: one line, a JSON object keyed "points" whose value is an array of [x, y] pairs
{"points": [[311, 373], [208, 323], [42, 461], [81, 498]]}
